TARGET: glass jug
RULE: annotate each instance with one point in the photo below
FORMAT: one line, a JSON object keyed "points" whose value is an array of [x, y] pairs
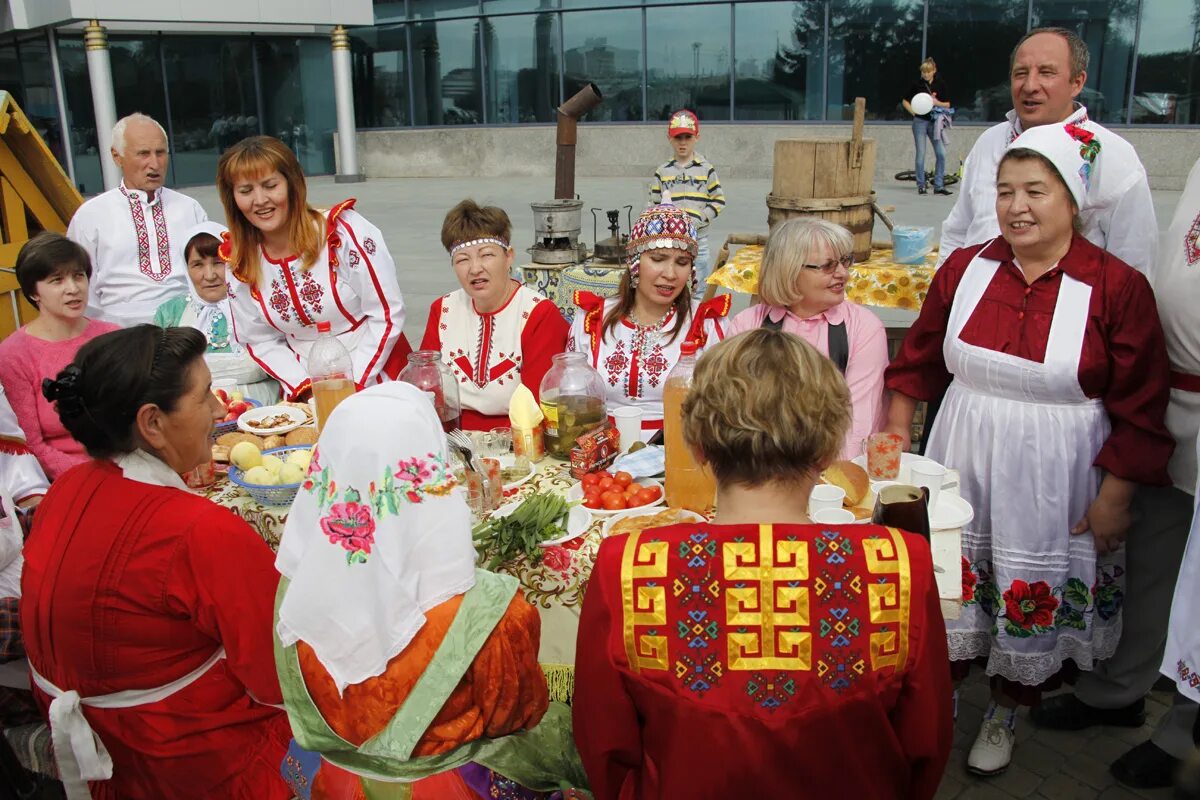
{"points": [[426, 371]]}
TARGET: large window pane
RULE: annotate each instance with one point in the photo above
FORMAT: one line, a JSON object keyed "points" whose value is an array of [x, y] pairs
{"points": [[1107, 26], [688, 63], [298, 104], [210, 80], [37, 96], [605, 47], [389, 10], [380, 58], [446, 72], [521, 59], [516, 6], [874, 52], [779, 51], [970, 40], [427, 9], [1168, 65]]}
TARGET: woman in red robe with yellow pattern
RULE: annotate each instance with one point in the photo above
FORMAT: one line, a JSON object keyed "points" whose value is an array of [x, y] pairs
{"points": [[760, 655]]}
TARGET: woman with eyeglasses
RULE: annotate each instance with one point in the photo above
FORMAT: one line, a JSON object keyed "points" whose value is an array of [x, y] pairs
{"points": [[803, 289]]}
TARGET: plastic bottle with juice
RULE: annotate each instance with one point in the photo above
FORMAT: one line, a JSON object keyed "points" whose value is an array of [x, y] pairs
{"points": [[689, 484], [331, 371]]}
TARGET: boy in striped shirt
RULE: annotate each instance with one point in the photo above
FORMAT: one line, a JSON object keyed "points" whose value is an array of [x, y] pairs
{"points": [[691, 183]]}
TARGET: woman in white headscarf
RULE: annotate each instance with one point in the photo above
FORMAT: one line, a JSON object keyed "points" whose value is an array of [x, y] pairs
{"points": [[400, 662], [205, 307]]}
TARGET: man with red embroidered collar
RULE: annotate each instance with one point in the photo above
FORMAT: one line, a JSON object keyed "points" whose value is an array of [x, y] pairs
{"points": [[1114, 692], [130, 231], [1048, 70]]}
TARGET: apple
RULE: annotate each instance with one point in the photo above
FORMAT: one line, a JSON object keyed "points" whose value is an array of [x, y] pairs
{"points": [[222, 396], [245, 456], [236, 397], [238, 408], [230, 417]]}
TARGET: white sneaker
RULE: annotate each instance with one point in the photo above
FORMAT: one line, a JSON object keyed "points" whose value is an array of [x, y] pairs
{"points": [[992, 751]]}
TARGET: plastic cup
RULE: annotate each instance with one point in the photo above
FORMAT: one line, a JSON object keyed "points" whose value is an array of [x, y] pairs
{"points": [[826, 497], [883, 456], [834, 516], [502, 441], [629, 425], [931, 475]]}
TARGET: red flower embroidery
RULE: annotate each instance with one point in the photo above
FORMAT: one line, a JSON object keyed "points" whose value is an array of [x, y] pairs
{"points": [[968, 581], [558, 559], [350, 525], [1030, 605], [1079, 134]]}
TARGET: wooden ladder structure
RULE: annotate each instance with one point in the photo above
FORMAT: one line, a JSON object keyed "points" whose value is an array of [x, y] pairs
{"points": [[35, 195]]}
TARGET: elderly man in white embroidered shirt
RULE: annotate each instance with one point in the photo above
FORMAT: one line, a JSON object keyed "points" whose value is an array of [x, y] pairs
{"points": [[130, 231], [1047, 72]]}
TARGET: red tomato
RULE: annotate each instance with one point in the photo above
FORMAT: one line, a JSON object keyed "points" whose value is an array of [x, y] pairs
{"points": [[606, 482], [622, 479], [604, 473], [613, 501], [592, 500], [590, 479], [631, 492], [647, 495]]}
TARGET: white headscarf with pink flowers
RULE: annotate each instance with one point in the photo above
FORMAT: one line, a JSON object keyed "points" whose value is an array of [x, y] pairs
{"points": [[379, 534]]}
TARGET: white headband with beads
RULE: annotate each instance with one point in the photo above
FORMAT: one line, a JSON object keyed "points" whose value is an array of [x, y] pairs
{"points": [[473, 242]]}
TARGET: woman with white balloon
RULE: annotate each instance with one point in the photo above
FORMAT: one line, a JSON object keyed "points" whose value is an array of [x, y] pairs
{"points": [[923, 96]]}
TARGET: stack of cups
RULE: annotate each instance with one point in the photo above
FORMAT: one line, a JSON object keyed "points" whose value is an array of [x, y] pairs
{"points": [[825, 505]]}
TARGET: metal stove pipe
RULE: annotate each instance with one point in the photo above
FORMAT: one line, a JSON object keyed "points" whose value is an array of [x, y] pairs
{"points": [[569, 113]]}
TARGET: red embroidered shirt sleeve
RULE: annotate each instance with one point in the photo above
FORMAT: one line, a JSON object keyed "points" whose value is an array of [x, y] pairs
{"points": [[543, 337], [432, 340]]}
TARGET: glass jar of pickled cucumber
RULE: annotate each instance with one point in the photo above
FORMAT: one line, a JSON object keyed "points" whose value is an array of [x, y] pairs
{"points": [[572, 400]]}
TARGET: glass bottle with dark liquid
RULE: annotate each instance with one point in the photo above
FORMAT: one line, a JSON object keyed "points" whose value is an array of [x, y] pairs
{"points": [[572, 400]]}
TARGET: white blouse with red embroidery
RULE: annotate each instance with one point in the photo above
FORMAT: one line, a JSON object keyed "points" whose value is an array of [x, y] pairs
{"points": [[352, 285], [485, 351], [635, 361]]}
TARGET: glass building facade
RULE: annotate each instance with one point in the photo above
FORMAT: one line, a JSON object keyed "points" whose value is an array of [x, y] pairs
{"points": [[511, 62]]}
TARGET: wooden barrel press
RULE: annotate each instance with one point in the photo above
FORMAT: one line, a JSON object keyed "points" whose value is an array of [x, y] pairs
{"points": [[827, 178]]}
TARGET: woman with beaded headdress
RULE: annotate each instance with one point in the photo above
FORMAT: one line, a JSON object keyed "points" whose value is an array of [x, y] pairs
{"points": [[493, 333], [634, 338]]}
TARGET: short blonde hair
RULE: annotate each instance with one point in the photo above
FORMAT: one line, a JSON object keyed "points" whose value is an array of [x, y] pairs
{"points": [[788, 249], [928, 64], [766, 407]]}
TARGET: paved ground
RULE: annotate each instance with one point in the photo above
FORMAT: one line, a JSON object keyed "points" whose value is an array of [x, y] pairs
{"points": [[1050, 766], [1047, 765]]}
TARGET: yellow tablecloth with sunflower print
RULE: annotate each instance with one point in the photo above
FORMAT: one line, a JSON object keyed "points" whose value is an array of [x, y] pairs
{"points": [[879, 281]]}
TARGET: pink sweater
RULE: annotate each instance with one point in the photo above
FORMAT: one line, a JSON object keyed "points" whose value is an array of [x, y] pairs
{"points": [[24, 361], [864, 369]]}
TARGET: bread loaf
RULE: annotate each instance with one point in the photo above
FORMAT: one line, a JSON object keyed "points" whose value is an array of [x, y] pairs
{"points": [[301, 435], [851, 478]]}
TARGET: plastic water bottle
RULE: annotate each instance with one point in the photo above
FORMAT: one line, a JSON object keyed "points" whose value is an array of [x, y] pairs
{"points": [[331, 371]]}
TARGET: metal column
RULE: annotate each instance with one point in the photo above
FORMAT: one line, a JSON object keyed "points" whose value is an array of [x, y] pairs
{"points": [[95, 40], [343, 92]]}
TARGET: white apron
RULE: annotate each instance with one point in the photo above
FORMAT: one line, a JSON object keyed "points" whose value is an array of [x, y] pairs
{"points": [[1181, 661], [1024, 436]]}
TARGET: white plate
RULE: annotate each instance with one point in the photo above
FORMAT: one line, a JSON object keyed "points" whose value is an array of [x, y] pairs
{"points": [[643, 511], [295, 415], [951, 512], [579, 519], [575, 495], [906, 461], [508, 461]]}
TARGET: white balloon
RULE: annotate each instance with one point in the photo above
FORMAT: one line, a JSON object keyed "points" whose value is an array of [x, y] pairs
{"points": [[921, 103]]}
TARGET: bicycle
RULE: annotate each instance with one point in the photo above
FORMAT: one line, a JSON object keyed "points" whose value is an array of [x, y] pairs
{"points": [[949, 179]]}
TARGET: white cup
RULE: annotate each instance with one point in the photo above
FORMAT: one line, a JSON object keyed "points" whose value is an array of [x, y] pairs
{"points": [[629, 425], [825, 496], [834, 516], [931, 475]]}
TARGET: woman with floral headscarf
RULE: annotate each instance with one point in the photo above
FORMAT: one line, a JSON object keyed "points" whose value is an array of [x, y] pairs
{"points": [[399, 660], [1054, 367], [633, 339]]}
